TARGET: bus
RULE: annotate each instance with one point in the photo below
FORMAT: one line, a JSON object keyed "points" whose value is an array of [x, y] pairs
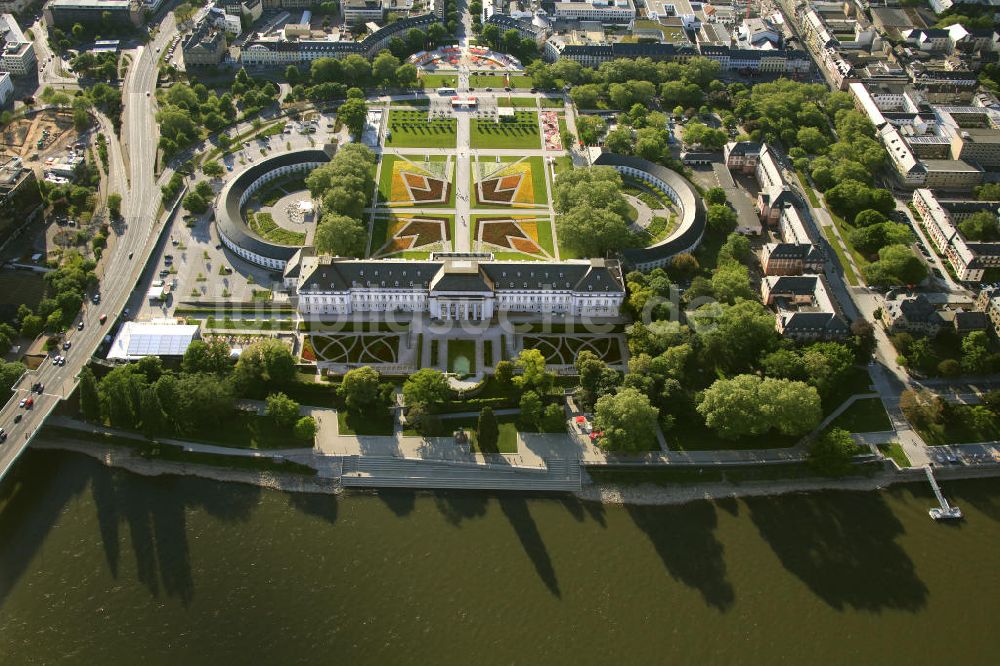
{"points": [[446, 91]]}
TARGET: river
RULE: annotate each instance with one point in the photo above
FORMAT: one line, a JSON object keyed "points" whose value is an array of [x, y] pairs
{"points": [[102, 566]]}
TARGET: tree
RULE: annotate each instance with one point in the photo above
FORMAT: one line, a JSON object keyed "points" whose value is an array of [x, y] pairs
{"points": [[591, 129], [487, 431], [213, 168], [9, 373], [195, 402], [749, 405], [305, 429], [341, 236], [868, 217], [831, 454], [812, 140], [282, 410], [593, 232], [976, 353], [533, 376], [707, 137], [731, 282], [596, 378], [980, 226], [626, 421], [896, 264], [202, 356], [721, 219], [684, 266], [921, 407], [360, 389], [81, 120], [353, 114], [384, 68], [531, 409], [504, 373], [266, 362], [115, 205], [406, 74], [426, 387], [195, 202], [736, 248], [715, 195], [151, 417]]}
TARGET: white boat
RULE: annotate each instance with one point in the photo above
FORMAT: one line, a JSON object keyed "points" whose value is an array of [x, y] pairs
{"points": [[951, 513]]}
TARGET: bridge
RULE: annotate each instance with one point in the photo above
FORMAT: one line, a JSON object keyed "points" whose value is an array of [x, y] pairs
{"points": [[140, 206]]}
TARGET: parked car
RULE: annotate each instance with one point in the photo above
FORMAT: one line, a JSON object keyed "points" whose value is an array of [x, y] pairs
{"points": [[103, 318], [67, 345], [17, 418], [79, 326]]}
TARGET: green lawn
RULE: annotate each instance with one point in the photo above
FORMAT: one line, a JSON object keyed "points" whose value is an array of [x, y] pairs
{"points": [[521, 82], [488, 81], [412, 129], [517, 102], [552, 103], [521, 132], [895, 451], [263, 225], [865, 415], [563, 163], [459, 349], [439, 80], [831, 237], [371, 423]]}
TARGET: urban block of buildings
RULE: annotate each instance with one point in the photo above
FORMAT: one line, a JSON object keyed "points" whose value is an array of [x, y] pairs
{"points": [[969, 259]]}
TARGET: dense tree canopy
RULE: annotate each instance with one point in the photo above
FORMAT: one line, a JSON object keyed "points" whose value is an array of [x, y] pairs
{"points": [[750, 405], [626, 421]]}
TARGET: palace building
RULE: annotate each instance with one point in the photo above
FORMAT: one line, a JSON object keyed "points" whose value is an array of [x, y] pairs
{"points": [[456, 286]]}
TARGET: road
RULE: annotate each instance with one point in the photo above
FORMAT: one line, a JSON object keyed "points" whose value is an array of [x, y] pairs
{"points": [[124, 261]]}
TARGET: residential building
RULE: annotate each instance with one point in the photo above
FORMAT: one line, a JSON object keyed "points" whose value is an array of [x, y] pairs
{"points": [[912, 314], [206, 45], [459, 288], [17, 54], [804, 309], [357, 12], [64, 13], [988, 302], [6, 87], [980, 146], [617, 12], [15, 6], [791, 259], [969, 259]]}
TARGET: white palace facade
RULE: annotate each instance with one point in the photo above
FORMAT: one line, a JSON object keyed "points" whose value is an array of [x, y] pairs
{"points": [[454, 286]]}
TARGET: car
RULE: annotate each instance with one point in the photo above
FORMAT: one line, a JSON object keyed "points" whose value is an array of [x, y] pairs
{"points": [[164, 273], [3, 436], [79, 326], [506, 89], [39, 388], [29, 403], [147, 93], [489, 90], [126, 312], [130, 254], [55, 361], [103, 318], [96, 298], [174, 241], [168, 257], [67, 345], [24, 401], [17, 418], [62, 361]]}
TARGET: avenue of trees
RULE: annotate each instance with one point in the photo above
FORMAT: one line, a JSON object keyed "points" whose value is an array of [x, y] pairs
{"points": [[344, 186], [200, 397]]}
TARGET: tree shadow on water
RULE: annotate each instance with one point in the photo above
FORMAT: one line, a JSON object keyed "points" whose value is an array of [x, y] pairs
{"points": [[155, 512], [683, 537], [400, 502], [457, 506], [321, 506], [580, 510], [843, 546], [32, 498], [515, 507]]}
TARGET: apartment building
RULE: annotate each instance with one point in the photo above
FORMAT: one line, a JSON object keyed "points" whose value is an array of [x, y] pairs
{"points": [[969, 259], [803, 307], [17, 54]]}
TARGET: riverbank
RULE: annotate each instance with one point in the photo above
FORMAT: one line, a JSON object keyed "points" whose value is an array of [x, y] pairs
{"points": [[643, 494], [124, 458]]}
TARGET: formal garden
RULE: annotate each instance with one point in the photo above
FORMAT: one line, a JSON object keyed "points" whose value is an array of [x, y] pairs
{"points": [[412, 128], [423, 182], [519, 237], [412, 236], [505, 182], [518, 131]]}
